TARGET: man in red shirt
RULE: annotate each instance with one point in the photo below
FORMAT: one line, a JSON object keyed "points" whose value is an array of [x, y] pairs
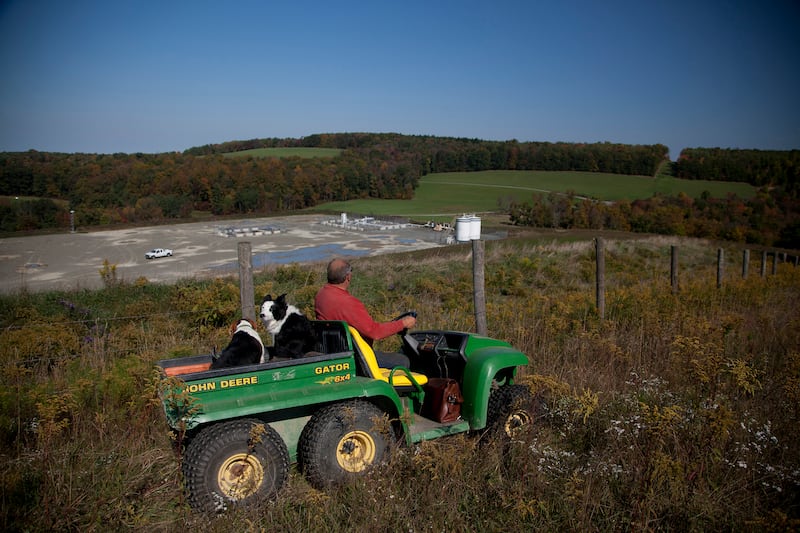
{"points": [[334, 302]]}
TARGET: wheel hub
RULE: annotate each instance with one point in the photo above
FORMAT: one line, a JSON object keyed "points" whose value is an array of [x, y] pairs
{"points": [[516, 421], [356, 451], [240, 476]]}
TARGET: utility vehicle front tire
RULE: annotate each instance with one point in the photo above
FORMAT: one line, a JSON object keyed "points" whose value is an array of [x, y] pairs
{"points": [[236, 462], [512, 410], [341, 441]]}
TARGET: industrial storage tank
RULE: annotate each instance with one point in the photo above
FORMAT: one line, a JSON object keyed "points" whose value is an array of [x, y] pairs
{"points": [[468, 228]]}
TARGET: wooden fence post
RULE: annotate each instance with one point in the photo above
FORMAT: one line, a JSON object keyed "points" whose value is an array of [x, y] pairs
{"points": [[720, 261], [673, 269], [763, 263], [600, 259], [745, 263], [246, 289], [479, 296], [774, 263]]}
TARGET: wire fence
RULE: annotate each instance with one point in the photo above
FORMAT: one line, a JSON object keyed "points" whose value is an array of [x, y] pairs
{"points": [[600, 278]]}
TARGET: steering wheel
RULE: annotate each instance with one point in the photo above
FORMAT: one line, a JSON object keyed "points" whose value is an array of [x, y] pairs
{"points": [[401, 317], [408, 340]]}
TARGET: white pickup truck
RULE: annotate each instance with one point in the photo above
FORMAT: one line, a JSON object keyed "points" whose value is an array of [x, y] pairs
{"points": [[158, 252]]}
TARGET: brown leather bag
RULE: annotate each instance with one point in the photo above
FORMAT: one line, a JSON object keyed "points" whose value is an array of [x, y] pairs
{"points": [[442, 400]]}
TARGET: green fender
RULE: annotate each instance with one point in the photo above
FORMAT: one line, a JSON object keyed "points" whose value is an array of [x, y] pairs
{"points": [[483, 366]]}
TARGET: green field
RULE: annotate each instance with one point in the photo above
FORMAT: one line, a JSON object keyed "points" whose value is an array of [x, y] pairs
{"points": [[453, 193], [306, 153]]}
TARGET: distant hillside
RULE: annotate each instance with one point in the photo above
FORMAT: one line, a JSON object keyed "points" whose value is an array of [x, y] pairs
{"points": [[266, 176]]}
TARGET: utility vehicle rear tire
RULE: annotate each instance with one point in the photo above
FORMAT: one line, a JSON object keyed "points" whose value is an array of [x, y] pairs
{"points": [[234, 463], [342, 441], [512, 409]]}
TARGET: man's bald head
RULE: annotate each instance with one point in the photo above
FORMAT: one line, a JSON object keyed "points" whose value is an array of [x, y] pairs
{"points": [[338, 270]]}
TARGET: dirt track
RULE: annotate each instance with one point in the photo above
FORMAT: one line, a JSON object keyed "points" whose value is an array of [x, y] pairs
{"points": [[73, 260]]}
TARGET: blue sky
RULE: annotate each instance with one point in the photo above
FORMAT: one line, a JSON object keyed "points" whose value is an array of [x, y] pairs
{"points": [[121, 76]]}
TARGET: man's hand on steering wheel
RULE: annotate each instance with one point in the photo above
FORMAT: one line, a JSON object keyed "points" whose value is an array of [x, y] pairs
{"points": [[409, 342], [409, 320]]}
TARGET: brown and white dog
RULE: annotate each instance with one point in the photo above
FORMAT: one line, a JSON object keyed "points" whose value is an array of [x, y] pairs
{"points": [[294, 336], [245, 347]]}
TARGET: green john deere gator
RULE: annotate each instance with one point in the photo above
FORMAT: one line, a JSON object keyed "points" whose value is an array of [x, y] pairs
{"points": [[334, 412]]}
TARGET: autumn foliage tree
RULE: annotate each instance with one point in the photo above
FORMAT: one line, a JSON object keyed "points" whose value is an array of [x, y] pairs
{"points": [[771, 218]]}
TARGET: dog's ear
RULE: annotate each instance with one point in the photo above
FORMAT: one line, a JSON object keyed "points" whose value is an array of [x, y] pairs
{"points": [[267, 298], [282, 298]]}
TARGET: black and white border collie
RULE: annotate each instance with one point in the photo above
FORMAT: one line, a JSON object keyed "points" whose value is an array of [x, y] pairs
{"points": [[294, 336], [245, 347]]}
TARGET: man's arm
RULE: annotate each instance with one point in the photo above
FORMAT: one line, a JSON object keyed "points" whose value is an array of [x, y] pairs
{"points": [[359, 318], [332, 303]]}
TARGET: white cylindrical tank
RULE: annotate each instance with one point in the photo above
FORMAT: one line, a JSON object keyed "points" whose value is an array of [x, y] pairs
{"points": [[475, 228], [463, 228]]}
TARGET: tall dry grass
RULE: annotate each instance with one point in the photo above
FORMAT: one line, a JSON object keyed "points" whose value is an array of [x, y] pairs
{"points": [[678, 411]]}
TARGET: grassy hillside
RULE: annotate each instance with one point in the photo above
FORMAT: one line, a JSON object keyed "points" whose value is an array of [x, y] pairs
{"points": [[468, 192], [676, 412]]}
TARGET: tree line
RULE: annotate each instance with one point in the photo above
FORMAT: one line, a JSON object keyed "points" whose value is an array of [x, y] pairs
{"points": [[430, 154], [756, 167], [771, 218]]}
